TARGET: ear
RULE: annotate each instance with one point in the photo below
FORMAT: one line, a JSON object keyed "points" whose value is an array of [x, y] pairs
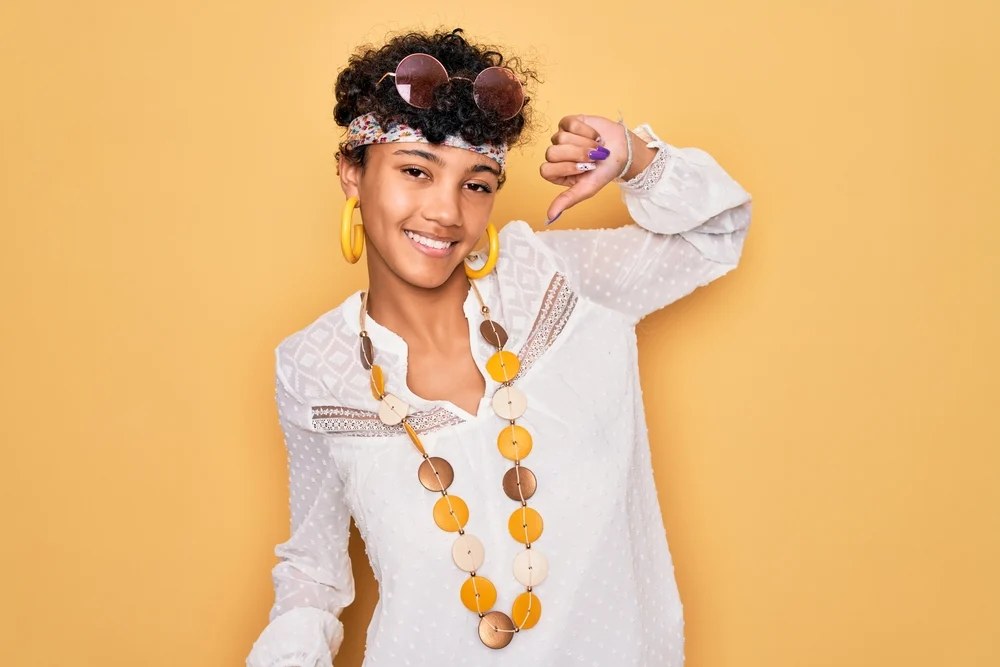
{"points": [[350, 177]]}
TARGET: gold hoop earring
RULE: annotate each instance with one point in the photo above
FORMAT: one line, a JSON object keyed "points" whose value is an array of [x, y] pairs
{"points": [[352, 237], [491, 258]]}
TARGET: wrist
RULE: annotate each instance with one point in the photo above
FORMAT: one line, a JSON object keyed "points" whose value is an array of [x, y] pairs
{"points": [[642, 156]]}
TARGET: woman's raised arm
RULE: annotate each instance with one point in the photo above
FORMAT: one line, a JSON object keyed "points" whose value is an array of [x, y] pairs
{"points": [[691, 220]]}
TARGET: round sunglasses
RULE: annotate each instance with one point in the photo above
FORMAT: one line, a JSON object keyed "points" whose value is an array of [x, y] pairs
{"points": [[495, 89]]}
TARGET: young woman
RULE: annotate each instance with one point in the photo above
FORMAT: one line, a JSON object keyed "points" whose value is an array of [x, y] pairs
{"points": [[480, 418]]}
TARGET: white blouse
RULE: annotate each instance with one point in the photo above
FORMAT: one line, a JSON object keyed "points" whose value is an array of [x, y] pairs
{"points": [[569, 301]]}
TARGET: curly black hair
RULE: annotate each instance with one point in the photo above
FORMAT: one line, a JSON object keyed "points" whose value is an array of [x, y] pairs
{"points": [[453, 110]]}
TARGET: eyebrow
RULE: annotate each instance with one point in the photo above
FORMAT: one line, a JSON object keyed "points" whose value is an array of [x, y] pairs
{"points": [[436, 159]]}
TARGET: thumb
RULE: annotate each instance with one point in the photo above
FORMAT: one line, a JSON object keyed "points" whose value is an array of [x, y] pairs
{"points": [[582, 189]]}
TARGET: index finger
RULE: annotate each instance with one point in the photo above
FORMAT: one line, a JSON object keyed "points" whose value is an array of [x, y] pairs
{"points": [[577, 125]]}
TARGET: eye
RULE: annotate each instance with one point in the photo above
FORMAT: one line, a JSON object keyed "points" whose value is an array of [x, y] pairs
{"points": [[483, 187], [413, 171]]}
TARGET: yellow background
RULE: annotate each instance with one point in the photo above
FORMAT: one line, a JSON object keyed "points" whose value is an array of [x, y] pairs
{"points": [[824, 420]]}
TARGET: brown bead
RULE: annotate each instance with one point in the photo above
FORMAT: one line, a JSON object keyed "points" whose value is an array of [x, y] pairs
{"points": [[367, 352], [496, 629], [439, 482], [493, 333], [527, 479]]}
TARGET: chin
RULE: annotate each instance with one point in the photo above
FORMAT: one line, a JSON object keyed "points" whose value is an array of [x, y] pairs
{"points": [[425, 279], [427, 268]]}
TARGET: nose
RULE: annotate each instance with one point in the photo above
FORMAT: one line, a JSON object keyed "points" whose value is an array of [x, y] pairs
{"points": [[443, 205]]}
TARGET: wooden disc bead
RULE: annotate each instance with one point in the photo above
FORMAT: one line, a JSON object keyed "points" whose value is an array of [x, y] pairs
{"points": [[525, 524], [367, 352], [493, 333], [377, 382], [514, 442], [391, 410], [519, 475], [530, 567], [496, 629], [451, 516], [478, 594], [414, 437], [509, 402], [436, 474], [526, 611], [468, 553], [503, 366]]}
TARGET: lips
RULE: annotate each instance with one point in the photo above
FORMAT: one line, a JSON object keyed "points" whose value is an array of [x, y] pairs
{"points": [[429, 245], [430, 242]]}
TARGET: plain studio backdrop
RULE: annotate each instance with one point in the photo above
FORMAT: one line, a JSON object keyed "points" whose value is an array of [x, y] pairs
{"points": [[823, 420]]}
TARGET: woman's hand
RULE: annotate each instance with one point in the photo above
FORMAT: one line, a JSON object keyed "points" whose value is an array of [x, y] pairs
{"points": [[587, 153]]}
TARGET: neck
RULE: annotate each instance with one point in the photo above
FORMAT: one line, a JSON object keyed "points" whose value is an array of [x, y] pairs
{"points": [[421, 317]]}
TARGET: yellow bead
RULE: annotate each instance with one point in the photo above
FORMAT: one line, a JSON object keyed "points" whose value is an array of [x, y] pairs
{"points": [[503, 366], [521, 615], [514, 442], [525, 524], [451, 517], [487, 594], [413, 436], [377, 382]]}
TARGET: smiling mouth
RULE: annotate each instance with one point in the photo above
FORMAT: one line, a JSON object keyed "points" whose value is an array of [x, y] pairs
{"points": [[430, 245]]}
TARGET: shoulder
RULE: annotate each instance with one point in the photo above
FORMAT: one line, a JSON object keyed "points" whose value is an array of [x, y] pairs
{"points": [[315, 361], [517, 235], [517, 230], [522, 252], [532, 285]]}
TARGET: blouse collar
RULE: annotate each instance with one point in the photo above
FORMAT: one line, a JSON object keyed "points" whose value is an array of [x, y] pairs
{"points": [[387, 340]]}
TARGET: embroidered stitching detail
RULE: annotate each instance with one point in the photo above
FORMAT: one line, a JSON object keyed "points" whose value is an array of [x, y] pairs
{"points": [[365, 423], [557, 305]]}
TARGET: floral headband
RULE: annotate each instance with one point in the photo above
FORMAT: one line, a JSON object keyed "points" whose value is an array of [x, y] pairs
{"points": [[366, 130]]}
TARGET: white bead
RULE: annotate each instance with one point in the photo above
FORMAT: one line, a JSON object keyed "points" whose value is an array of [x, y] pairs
{"points": [[530, 567], [391, 410], [509, 402], [468, 553]]}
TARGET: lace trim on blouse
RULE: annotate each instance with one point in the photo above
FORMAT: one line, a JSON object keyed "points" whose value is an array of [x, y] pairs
{"points": [[365, 423], [556, 308], [646, 179]]}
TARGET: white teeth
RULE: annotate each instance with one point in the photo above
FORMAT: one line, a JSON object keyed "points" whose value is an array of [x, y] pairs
{"points": [[424, 241]]}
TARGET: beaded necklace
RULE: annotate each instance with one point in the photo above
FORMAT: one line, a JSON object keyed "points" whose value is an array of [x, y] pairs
{"points": [[451, 514]]}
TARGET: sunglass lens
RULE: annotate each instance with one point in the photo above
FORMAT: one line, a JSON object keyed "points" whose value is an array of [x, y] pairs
{"points": [[497, 89], [417, 75]]}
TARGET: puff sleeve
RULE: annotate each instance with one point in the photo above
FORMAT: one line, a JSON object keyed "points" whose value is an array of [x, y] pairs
{"points": [[313, 582], [690, 222]]}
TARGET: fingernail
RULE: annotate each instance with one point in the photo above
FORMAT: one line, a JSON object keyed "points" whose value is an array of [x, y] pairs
{"points": [[600, 140], [599, 153], [586, 166], [549, 222]]}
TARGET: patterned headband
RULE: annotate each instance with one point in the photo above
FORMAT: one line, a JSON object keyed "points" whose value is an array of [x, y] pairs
{"points": [[366, 130]]}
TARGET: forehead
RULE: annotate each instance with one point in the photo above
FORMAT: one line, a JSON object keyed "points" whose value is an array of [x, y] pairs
{"points": [[449, 157]]}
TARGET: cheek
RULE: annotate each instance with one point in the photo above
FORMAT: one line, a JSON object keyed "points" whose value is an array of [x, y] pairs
{"points": [[384, 216], [477, 235]]}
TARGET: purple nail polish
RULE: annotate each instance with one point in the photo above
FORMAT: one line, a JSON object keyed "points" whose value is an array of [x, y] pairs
{"points": [[599, 153], [549, 222]]}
